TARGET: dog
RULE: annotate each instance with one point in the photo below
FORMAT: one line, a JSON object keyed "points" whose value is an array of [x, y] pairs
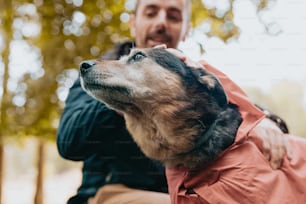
{"points": [[181, 117]]}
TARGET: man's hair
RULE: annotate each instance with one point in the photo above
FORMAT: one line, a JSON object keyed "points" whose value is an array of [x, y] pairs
{"points": [[188, 8]]}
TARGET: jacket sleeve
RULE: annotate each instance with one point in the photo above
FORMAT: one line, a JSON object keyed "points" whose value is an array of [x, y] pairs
{"points": [[83, 123]]}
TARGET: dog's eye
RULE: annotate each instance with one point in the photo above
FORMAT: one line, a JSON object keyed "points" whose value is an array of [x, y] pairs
{"points": [[137, 57]]}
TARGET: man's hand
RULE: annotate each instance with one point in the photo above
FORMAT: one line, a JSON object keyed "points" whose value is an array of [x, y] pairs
{"points": [[180, 55], [275, 145]]}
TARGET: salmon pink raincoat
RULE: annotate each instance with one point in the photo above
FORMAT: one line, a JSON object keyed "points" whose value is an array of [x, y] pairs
{"points": [[242, 174]]}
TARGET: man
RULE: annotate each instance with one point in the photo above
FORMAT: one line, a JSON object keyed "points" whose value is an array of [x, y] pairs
{"points": [[115, 170]]}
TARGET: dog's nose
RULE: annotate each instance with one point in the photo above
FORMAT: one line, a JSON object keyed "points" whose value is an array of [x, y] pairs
{"points": [[86, 65]]}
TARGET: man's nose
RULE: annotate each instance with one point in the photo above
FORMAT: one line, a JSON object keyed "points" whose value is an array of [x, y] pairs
{"points": [[161, 19], [85, 65]]}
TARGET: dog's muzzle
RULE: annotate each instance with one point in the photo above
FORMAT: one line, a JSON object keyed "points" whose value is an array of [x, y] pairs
{"points": [[86, 65]]}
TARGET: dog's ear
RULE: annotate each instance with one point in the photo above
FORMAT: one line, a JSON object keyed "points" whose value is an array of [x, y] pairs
{"points": [[212, 84]]}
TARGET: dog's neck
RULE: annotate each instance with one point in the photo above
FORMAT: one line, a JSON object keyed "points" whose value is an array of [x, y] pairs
{"points": [[178, 140], [210, 143], [202, 140]]}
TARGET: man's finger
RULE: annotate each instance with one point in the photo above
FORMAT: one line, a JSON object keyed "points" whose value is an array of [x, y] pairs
{"points": [[277, 157], [161, 46], [288, 150], [266, 150]]}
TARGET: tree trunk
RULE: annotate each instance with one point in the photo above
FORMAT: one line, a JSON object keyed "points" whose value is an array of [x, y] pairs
{"points": [[1, 170], [39, 194], [6, 16], [3, 120]]}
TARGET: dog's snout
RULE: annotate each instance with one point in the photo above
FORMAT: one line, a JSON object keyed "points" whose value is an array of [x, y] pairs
{"points": [[86, 65]]}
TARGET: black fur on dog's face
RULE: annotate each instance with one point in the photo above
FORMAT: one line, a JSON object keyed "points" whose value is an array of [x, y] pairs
{"points": [[167, 106]]}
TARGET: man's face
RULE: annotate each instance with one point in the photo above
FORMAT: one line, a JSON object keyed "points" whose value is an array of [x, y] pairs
{"points": [[160, 22]]}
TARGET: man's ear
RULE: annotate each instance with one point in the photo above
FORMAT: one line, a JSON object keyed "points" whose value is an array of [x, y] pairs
{"points": [[132, 25], [211, 83]]}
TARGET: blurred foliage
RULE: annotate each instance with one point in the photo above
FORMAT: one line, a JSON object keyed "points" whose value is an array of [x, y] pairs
{"points": [[68, 32], [285, 99]]}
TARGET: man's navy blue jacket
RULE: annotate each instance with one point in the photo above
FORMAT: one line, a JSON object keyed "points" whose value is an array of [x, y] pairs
{"points": [[92, 133]]}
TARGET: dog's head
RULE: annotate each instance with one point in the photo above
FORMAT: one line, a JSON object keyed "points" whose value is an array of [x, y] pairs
{"points": [[146, 76], [167, 105]]}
